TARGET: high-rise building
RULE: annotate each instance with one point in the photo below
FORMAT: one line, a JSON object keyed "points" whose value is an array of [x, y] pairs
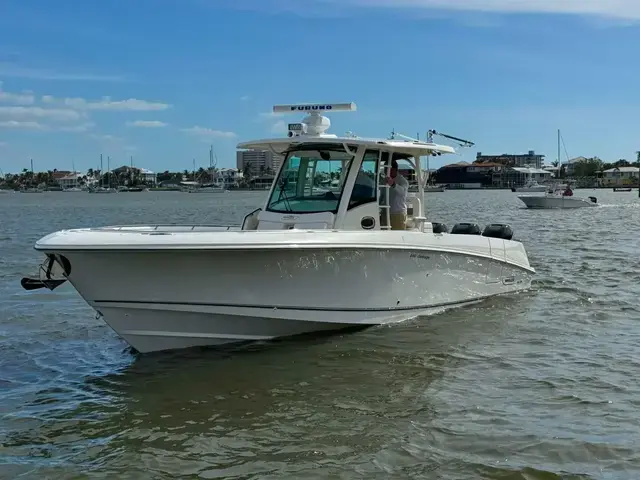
{"points": [[258, 161]]}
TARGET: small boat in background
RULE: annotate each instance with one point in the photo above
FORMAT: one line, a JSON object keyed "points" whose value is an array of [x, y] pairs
{"points": [[558, 198]]}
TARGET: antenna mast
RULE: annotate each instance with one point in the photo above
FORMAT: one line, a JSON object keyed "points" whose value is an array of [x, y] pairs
{"points": [[462, 142]]}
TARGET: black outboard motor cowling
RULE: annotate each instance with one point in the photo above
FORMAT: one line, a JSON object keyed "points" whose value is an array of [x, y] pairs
{"points": [[439, 227], [498, 230], [466, 229], [593, 199]]}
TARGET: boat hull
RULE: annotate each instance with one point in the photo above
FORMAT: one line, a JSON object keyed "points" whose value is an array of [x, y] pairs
{"points": [[162, 300], [555, 201]]}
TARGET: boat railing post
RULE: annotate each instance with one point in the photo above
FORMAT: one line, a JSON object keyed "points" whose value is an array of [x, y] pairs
{"points": [[385, 207]]}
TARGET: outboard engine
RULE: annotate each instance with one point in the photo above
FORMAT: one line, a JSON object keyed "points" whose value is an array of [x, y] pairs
{"points": [[466, 229], [439, 227], [498, 230], [513, 189], [593, 199]]}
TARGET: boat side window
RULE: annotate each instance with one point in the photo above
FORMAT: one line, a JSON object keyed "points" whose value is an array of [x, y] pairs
{"points": [[311, 180], [365, 188]]}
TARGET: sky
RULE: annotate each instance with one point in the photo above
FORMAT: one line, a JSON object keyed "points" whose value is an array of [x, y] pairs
{"points": [[162, 80]]}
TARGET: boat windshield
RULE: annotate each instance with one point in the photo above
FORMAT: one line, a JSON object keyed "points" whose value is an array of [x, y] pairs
{"points": [[311, 180]]}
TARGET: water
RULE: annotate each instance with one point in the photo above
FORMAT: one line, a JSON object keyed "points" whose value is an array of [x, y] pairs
{"points": [[541, 385]]}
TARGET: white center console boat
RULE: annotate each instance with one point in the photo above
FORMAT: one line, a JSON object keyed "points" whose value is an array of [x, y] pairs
{"points": [[318, 255], [557, 198]]}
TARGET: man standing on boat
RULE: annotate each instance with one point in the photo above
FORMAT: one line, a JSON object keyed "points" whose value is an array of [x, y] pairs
{"points": [[399, 186]]}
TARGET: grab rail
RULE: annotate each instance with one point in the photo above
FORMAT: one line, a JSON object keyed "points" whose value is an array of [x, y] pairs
{"points": [[161, 225]]}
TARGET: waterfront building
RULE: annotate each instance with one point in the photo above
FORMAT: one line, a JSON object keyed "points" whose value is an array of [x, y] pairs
{"points": [[229, 177], [627, 176], [530, 159], [70, 180], [126, 172], [488, 175]]}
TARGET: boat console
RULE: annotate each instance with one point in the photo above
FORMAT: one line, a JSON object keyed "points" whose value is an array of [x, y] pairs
{"points": [[331, 182]]}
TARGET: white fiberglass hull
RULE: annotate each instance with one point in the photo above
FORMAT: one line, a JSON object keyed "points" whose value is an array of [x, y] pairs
{"points": [[555, 201], [178, 297]]}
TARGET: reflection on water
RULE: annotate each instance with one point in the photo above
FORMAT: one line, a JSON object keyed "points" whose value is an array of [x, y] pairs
{"points": [[533, 386]]}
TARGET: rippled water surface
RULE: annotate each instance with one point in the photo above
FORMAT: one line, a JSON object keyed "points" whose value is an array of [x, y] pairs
{"points": [[540, 385]]}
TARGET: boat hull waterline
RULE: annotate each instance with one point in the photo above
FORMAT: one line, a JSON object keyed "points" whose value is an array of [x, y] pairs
{"points": [[247, 294]]}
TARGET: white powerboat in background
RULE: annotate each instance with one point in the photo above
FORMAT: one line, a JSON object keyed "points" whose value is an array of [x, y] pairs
{"points": [[531, 186], [312, 258], [557, 198], [558, 195], [197, 187]]}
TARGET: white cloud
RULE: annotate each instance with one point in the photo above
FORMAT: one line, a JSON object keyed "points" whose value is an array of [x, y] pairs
{"points": [[208, 133], [29, 125], [3, 144], [12, 70], [42, 127], [269, 115], [245, 98], [280, 127], [24, 98], [113, 145], [107, 104], [147, 124], [81, 128], [105, 137], [628, 9], [57, 114]]}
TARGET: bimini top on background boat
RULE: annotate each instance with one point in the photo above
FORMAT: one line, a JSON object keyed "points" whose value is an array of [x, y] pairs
{"points": [[318, 255], [530, 186]]}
